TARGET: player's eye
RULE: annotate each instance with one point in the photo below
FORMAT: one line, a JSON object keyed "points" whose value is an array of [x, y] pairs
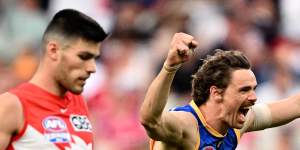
{"points": [[245, 89], [85, 56]]}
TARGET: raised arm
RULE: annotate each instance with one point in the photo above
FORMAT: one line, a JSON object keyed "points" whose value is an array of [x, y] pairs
{"points": [[11, 118], [273, 114], [166, 126]]}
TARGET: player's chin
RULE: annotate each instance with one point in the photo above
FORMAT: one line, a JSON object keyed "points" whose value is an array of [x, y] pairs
{"points": [[238, 125], [76, 90]]}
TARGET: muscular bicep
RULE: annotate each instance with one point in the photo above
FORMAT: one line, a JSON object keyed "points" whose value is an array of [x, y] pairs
{"points": [[172, 127], [11, 118]]}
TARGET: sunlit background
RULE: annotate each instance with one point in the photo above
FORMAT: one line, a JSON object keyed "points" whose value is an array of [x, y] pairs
{"points": [[267, 31]]}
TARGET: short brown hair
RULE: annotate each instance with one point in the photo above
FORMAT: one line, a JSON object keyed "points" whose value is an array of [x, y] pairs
{"points": [[216, 71]]}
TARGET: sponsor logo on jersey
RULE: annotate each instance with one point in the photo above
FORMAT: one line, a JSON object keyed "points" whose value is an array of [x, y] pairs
{"points": [[209, 148], [55, 130], [80, 123]]}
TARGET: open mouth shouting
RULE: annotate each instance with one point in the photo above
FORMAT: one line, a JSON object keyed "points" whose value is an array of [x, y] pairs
{"points": [[243, 110]]}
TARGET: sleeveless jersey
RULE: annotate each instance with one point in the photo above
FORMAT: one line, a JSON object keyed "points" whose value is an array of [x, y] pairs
{"points": [[51, 122], [209, 138]]}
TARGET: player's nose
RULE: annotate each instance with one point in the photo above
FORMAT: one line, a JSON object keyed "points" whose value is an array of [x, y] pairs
{"points": [[91, 66], [252, 97]]}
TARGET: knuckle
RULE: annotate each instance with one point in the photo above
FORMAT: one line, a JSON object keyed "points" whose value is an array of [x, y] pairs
{"points": [[177, 34]]}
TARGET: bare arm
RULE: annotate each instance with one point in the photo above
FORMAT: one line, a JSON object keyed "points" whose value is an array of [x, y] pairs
{"points": [[11, 118], [166, 126], [274, 114], [285, 111]]}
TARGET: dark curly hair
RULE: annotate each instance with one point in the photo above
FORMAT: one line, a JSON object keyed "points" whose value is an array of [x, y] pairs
{"points": [[216, 71]]}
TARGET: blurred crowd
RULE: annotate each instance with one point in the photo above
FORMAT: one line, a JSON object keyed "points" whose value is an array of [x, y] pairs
{"points": [[267, 31]]}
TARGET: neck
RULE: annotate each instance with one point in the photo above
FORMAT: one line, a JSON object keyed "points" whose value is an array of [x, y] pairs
{"points": [[213, 117], [44, 78]]}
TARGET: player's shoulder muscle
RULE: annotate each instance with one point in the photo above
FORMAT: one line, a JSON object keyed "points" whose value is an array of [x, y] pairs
{"points": [[10, 110]]}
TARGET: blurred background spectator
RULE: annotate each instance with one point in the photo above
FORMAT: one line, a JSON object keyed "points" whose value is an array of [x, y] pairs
{"points": [[267, 31]]}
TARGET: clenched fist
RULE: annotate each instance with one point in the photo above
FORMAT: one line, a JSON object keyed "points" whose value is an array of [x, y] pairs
{"points": [[181, 50]]}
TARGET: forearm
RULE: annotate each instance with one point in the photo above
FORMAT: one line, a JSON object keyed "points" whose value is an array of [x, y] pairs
{"points": [[156, 98], [285, 111], [156, 122], [274, 114]]}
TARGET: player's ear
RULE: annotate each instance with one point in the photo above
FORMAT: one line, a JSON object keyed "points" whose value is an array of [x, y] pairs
{"points": [[216, 93], [52, 50]]}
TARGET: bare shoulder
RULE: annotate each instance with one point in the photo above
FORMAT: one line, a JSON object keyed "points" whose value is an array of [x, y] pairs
{"points": [[10, 110], [187, 123], [9, 101], [11, 116], [186, 118]]}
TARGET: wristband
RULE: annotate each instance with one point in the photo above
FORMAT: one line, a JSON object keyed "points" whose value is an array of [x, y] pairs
{"points": [[171, 69]]}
